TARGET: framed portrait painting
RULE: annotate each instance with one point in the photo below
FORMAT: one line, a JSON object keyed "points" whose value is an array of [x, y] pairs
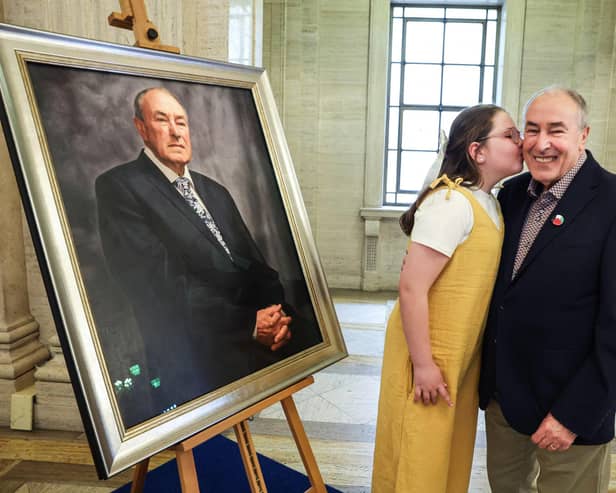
{"points": [[171, 234]]}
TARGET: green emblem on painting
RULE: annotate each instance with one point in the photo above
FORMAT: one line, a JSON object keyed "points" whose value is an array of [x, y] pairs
{"points": [[135, 370], [155, 382]]}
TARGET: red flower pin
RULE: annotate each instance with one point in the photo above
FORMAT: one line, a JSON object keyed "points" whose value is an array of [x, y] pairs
{"points": [[558, 220]]}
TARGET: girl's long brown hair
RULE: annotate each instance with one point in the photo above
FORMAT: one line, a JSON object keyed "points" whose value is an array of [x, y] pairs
{"points": [[472, 125]]}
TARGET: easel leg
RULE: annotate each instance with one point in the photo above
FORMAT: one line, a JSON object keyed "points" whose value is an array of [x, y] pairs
{"points": [[141, 469], [303, 445], [249, 457], [187, 471]]}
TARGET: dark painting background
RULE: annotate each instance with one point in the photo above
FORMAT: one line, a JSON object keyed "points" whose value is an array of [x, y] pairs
{"points": [[87, 118]]}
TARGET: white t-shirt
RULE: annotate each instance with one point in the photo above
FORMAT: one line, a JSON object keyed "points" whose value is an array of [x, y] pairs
{"points": [[442, 224]]}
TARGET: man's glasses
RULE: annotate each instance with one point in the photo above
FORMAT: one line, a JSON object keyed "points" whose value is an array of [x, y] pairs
{"points": [[512, 133]]}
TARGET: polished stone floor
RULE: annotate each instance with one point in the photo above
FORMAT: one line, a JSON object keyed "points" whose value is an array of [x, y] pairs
{"points": [[338, 412]]}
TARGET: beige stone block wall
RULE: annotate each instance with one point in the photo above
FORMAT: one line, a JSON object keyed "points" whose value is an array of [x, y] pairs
{"points": [[577, 49], [610, 131], [316, 55], [197, 27]]}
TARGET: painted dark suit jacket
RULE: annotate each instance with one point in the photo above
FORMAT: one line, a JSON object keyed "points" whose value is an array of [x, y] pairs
{"points": [[550, 341], [194, 307]]}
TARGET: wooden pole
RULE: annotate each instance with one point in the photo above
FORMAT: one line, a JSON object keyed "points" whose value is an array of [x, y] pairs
{"points": [[303, 445], [249, 457], [187, 471], [139, 474]]}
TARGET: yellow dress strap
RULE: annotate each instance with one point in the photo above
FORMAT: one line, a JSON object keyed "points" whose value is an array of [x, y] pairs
{"points": [[445, 180]]}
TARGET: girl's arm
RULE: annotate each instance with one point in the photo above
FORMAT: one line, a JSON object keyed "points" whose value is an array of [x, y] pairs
{"points": [[420, 269]]}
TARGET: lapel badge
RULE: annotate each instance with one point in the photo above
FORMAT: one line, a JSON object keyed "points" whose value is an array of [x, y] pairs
{"points": [[558, 220]]}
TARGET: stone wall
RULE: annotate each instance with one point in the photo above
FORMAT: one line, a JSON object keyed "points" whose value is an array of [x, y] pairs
{"points": [[316, 53]]}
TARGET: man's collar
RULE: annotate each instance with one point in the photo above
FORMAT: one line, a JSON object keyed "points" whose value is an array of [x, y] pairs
{"points": [[559, 188], [165, 170]]}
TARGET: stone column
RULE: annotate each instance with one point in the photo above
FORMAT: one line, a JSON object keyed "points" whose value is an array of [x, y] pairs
{"points": [[20, 348], [55, 406]]}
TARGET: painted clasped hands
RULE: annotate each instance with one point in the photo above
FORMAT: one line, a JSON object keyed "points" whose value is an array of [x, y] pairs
{"points": [[273, 327]]}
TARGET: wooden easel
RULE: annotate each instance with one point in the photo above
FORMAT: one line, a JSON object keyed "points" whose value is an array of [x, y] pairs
{"points": [[134, 16], [239, 422]]}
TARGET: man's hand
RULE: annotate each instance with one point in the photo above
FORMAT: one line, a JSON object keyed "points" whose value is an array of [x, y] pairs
{"points": [[273, 327], [552, 435]]}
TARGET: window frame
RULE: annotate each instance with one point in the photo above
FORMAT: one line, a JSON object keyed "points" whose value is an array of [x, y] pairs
{"points": [[440, 108]]}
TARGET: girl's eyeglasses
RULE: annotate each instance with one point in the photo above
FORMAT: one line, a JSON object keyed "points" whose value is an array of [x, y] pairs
{"points": [[512, 133]]}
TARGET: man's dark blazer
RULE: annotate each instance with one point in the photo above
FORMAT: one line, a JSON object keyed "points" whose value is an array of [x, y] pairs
{"points": [[195, 307], [550, 340]]}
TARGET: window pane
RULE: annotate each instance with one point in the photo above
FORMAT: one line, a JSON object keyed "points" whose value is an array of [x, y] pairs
{"points": [[466, 14], [391, 171], [390, 198], [396, 40], [463, 42], [405, 198], [414, 167], [393, 128], [420, 129], [492, 14], [447, 117], [424, 12], [398, 11], [394, 87], [460, 86], [422, 84], [424, 41], [490, 42], [488, 85], [240, 49]]}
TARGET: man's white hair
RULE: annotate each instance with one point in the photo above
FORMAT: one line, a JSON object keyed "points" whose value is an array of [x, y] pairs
{"points": [[577, 98]]}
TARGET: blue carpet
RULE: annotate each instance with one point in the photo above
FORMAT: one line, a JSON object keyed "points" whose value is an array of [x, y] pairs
{"points": [[220, 470]]}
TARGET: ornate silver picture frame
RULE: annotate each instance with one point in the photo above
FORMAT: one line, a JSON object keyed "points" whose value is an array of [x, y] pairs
{"points": [[157, 325]]}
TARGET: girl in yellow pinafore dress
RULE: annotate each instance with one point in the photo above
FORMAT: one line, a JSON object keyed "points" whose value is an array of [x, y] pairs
{"points": [[427, 420]]}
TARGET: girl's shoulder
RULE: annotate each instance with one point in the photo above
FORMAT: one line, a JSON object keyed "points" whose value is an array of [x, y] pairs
{"points": [[450, 198]]}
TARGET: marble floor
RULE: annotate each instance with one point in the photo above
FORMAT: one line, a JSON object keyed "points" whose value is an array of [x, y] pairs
{"points": [[338, 412]]}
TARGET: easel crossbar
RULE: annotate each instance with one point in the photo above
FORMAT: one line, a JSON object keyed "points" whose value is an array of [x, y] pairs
{"points": [[229, 422]]}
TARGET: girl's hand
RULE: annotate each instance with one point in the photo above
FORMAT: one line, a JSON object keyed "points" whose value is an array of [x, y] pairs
{"points": [[429, 384]]}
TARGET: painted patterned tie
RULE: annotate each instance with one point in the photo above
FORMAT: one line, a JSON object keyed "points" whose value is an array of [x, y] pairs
{"points": [[184, 186]]}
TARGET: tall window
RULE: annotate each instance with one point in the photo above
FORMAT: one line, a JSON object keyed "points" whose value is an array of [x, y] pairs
{"points": [[441, 60], [244, 16]]}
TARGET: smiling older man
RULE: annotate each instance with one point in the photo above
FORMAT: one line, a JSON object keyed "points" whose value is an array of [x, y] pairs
{"points": [[548, 380]]}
